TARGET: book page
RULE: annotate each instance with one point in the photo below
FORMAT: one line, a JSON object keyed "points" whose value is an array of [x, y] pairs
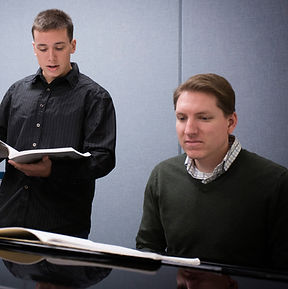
{"points": [[6, 149], [30, 156], [65, 241]]}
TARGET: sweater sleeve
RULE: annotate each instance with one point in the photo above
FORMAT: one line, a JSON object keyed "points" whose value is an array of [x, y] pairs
{"points": [[279, 229], [151, 235]]}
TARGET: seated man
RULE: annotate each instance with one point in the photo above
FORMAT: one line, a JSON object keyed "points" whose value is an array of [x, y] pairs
{"points": [[217, 201]]}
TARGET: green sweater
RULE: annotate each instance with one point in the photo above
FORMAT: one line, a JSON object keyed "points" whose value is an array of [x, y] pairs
{"points": [[239, 218]]}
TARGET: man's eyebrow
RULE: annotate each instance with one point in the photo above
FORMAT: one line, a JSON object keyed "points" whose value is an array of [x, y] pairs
{"points": [[197, 113], [60, 42], [203, 112], [57, 43]]}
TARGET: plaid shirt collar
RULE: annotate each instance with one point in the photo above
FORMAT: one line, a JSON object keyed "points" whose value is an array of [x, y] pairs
{"points": [[235, 148]]}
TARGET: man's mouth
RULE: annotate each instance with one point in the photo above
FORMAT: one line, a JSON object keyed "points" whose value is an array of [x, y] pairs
{"points": [[193, 141], [52, 67]]}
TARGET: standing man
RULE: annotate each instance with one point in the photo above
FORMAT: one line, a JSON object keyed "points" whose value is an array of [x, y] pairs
{"points": [[56, 107], [216, 201]]}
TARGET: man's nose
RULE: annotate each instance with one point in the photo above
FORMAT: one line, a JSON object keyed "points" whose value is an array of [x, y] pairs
{"points": [[191, 127], [51, 54]]}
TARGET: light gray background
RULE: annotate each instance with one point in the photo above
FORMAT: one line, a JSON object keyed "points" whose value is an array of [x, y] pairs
{"points": [[140, 51]]}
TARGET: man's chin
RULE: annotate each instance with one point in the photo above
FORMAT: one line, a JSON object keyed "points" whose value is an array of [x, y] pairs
{"points": [[193, 154], [50, 76]]}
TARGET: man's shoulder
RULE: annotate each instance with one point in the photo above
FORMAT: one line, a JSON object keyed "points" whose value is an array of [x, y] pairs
{"points": [[256, 161], [169, 170], [172, 163], [22, 82], [25, 79], [92, 85]]}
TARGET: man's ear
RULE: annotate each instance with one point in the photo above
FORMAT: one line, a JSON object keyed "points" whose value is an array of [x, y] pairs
{"points": [[34, 48], [73, 46], [232, 122]]}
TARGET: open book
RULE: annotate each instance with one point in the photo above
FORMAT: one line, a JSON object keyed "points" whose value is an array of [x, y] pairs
{"points": [[30, 156], [63, 241]]}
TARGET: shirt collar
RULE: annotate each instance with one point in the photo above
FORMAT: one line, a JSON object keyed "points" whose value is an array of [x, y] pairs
{"points": [[71, 77], [234, 150]]}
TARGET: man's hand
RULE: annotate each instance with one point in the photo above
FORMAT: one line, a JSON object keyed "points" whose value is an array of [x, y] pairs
{"points": [[39, 169]]}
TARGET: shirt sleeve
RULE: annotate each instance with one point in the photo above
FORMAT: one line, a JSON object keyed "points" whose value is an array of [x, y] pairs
{"points": [[4, 112], [151, 236]]}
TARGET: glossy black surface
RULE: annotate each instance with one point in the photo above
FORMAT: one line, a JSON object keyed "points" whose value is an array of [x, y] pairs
{"points": [[83, 270]]}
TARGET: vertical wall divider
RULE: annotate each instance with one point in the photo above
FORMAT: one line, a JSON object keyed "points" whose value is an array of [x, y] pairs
{"points": [[180, 52]]}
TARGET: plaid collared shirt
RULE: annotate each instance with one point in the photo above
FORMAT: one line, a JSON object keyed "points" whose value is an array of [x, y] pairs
{"points": [[235, 148]]}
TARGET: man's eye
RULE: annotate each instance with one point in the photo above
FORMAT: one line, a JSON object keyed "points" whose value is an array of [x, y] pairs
{"points": [[181, 117], [205, 118], [59, 48], [42, 49]]}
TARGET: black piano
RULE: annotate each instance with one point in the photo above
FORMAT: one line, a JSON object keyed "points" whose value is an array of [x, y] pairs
{"points": [[42, 266]]}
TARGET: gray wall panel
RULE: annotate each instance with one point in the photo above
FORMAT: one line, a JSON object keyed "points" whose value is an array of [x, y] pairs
{"points": [[246, 42]]}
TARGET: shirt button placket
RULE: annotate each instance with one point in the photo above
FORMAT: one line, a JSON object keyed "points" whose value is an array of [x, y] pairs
{"points": [[40, 112]]}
